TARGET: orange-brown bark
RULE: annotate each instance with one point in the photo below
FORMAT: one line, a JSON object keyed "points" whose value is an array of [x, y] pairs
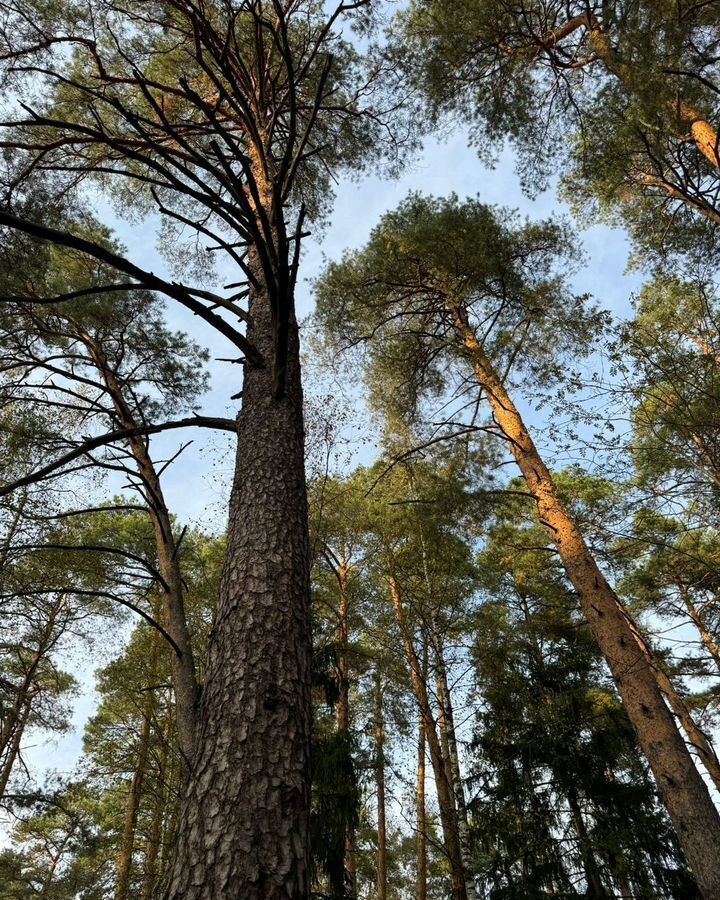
{"points": [[681, 786]]}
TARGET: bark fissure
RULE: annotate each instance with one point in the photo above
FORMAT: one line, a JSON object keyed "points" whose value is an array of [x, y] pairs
{"points": [[245, 821]]}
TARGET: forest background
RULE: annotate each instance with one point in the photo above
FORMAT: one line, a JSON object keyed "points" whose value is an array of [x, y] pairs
{"points": [[340, 424]]}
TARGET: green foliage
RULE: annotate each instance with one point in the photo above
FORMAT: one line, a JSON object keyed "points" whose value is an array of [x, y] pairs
{"points": [[561, 787], [61, 851], [397, 294], [335, 805], [604, 94]]}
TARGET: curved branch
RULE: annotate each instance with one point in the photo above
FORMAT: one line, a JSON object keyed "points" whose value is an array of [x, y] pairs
{"points": [[147, 279], [106, 595], [110, 438]]}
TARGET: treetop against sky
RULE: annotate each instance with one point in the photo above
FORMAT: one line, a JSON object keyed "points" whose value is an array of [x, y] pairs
{"points": [[358, 391]]}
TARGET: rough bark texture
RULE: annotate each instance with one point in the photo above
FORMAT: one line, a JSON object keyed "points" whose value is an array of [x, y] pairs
{"points": [[244, 827], [380, 786], [706, 140], [698, 739], [443, 785], [681, 787]]}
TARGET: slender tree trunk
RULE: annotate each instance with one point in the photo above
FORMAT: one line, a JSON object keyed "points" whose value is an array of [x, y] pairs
{"points": [[342, 708], [447, 727], [342, 637], [244, 826], [183, 663], [699, 740], [153, 846], [596, 888], [446, 803], [421, 876], [681, 786], [620, 877], [132, 806], [380, 786], [18, 715], [707, 639], [12, 750]]}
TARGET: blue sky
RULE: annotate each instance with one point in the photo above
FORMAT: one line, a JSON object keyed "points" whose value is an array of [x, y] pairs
{"points": [[443, 168], [197, 484]]}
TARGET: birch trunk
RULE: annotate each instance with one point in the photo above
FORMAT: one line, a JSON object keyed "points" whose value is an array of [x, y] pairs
{"points": [[681, 786]]}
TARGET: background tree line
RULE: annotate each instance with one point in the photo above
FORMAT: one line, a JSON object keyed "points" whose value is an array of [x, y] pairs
{"points": [[465, 668]]}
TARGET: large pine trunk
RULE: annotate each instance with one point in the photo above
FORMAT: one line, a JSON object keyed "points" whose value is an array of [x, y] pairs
{"points": [[697, 737], [681, 787], [244, 826]]}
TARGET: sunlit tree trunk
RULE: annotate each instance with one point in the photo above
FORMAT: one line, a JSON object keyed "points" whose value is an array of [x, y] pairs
{"points": [[244, 827], [681, 786], [697, 737]]}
